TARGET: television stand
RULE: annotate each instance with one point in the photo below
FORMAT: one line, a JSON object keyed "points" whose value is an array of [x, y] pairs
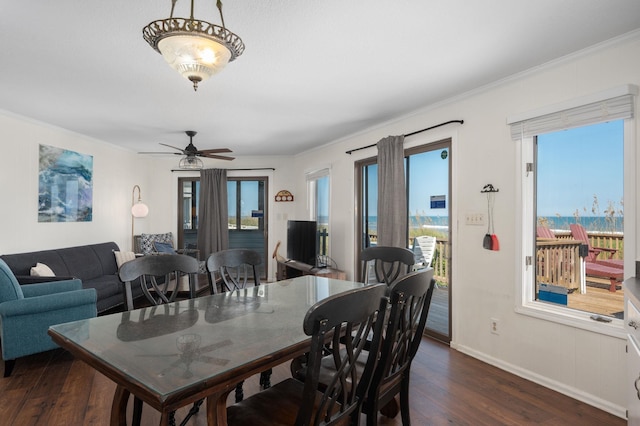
{"points": [[294, 268]]}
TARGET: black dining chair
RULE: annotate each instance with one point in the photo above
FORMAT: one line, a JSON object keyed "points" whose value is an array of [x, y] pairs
{"points": [[236, 267], [410, 299], [355, 314], [385, 264], [156, 273]]}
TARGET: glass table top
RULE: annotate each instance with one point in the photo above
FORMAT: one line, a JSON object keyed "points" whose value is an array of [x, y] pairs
{"points": [[171, 347]]}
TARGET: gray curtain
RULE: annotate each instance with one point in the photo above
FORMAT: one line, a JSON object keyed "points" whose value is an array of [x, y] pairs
{"points": [[392, 196], [213, 229]]}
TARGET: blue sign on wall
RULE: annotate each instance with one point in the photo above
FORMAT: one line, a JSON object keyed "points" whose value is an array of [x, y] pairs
{"points": [[438, 201]]}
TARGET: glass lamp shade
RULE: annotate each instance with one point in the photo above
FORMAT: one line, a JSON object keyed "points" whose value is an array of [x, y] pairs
{"points": [[139, 209], [191, 162], [195, 57]]}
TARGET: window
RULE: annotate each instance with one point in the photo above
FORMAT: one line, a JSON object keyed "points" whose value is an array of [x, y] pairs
{"points": [[318, 190], [188, 190], [248, 215], [573, 163]]}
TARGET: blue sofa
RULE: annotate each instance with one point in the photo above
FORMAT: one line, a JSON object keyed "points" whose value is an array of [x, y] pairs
{"points": [[94, 264], [27, 312]]}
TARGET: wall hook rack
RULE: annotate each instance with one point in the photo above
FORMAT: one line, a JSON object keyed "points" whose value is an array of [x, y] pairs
{"points": [[489, 188]]}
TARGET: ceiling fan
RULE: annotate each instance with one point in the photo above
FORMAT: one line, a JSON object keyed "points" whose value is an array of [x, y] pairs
{"points": [[191, 152]]}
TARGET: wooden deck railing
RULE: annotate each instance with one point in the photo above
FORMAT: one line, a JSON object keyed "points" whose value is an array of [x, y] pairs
{"points": [[558, 262], [439, 263]]}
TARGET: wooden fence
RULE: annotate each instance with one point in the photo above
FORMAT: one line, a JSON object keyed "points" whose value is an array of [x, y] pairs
{"points": [[558, 261]]}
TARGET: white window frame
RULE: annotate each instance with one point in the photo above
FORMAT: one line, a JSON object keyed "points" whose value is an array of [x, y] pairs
{"points": [[525, 302], [312, 178]]}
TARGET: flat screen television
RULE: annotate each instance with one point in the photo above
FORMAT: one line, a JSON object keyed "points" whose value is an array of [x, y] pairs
{"points": [[302, 240]]}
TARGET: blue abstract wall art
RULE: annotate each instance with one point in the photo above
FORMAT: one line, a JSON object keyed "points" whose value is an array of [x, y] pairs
{"points": [[65, 191]]}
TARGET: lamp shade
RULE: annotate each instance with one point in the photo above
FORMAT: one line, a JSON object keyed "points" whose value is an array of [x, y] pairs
{"points": [[194, 56], [139, 209]]}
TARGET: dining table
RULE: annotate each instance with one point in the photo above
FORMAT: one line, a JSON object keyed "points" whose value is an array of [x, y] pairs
{"points": [[179, 353]]}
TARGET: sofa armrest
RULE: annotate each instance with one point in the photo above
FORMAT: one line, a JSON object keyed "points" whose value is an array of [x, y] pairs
{"points": [[32, 279], [41, 289], [48, 303]]}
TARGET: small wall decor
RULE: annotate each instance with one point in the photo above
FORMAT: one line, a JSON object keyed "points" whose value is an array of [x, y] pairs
{"points": [[284, 195], [65, 186], [490, 241]]}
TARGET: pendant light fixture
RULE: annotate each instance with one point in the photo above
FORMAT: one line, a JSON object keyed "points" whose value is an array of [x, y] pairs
{"points": [[196, 49]]}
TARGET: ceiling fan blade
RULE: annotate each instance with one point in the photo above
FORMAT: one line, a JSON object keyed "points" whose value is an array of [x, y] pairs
{"points": [[219, 157], [214, 151], [160, 152], [174, 147]]}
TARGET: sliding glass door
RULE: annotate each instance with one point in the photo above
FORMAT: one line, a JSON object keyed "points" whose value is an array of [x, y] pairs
{"points": [[428, 187]]}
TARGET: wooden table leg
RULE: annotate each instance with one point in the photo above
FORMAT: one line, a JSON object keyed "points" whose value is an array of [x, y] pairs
{"points": [[217, 409], [119, 406]]}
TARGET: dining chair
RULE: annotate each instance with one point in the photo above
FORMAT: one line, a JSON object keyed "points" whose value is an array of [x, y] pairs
{"points": [[155, 273], [355, 314], [409, 302], [410, 299], [385, 264], [235, 267]]}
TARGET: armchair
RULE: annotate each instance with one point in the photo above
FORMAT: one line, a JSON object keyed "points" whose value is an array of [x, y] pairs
{"points": [[26, 312]]}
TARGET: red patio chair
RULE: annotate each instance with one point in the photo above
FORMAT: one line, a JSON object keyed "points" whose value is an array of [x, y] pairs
{"points": [[580, 234], [544, 232]]}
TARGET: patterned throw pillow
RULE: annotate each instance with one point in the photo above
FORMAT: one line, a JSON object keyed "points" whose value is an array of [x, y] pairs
{"points": [[147, 240]]}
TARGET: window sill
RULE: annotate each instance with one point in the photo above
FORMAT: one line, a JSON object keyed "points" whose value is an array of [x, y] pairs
{"points": [[573, 318]]}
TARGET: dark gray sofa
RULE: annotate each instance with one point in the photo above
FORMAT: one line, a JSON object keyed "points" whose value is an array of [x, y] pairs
{"points": [[94, 264]]}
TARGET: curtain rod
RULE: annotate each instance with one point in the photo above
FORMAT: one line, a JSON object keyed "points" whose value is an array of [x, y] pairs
{"points": [[409, 134], [244, 170]]}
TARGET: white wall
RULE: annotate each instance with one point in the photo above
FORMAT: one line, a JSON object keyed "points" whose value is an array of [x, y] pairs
{"points": [[115, 171], [585, 365]]}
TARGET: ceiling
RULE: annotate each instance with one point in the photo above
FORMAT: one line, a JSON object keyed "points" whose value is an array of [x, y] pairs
{"points": [[312, 71]]}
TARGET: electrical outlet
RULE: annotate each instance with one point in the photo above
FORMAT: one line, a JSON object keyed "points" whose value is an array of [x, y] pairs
{"points": [[474, 219], [494, 326]]}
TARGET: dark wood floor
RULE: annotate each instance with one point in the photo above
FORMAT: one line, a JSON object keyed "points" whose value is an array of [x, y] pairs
{"points": [[447, 388]]}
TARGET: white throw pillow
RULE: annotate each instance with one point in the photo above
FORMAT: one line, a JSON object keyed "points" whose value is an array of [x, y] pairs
{"points": [[42, 270], [123, 256]]}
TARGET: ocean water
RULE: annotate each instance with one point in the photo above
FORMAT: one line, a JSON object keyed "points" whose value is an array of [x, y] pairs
{"points": [[590, 223], [416, 222]]}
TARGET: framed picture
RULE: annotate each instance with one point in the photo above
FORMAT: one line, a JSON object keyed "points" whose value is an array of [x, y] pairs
{"points": [[65, 185]]}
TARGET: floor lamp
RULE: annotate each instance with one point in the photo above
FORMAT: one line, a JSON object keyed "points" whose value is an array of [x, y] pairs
{"points": [[138, 209]]}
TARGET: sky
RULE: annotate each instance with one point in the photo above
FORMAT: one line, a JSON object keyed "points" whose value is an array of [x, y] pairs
{"points": [[574, 165]]}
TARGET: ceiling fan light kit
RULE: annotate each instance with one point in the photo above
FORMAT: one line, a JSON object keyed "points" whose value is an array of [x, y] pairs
{"points": [[190, 163], [195, 48]]}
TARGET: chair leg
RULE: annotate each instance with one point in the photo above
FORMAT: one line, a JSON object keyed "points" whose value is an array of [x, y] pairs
{"points": [[404, 401], [265, 379], [137, 412], [239, 392], [8, 367]]}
